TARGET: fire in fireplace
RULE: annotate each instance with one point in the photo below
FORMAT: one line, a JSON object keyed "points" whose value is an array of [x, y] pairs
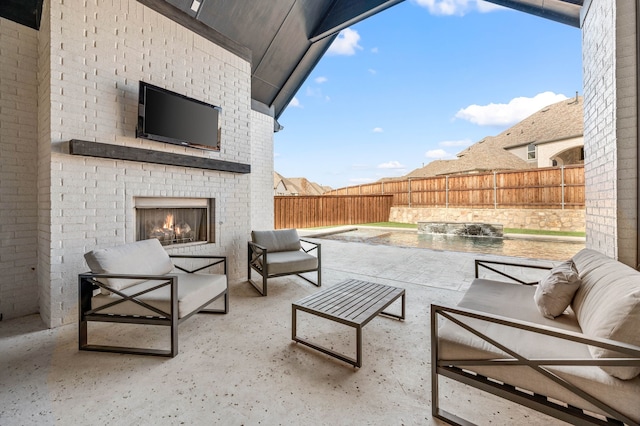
{"points": [[173, 220]]}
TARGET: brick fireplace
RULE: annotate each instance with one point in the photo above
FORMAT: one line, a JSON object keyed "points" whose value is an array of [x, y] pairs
{"points": [[80, 75]]}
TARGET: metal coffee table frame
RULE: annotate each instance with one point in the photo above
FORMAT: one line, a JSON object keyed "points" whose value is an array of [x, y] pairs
{"points": [[353, 303]]}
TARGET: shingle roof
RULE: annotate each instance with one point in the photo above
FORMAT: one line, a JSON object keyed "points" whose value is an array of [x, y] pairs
{"points": [[558, 121], [483, 156], [298, 186]]}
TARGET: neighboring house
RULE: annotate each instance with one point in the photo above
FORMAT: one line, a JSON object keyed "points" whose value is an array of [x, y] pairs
{"points": [[552, 136], [296, 186], [279, 185]]}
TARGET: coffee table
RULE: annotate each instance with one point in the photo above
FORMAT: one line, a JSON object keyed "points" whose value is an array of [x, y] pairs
{"points": [[351, 302]]}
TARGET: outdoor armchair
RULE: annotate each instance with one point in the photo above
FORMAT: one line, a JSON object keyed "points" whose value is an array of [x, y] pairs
{"points": [[138, 283], [281, 252]]}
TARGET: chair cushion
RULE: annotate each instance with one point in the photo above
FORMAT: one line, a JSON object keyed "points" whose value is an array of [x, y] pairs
{"points": [[607, 305], [277, 240], [288, 262], [146, 257], [193, 291], [555, 291]]}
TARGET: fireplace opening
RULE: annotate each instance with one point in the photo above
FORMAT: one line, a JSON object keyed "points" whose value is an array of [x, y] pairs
{"points": [[173, 220]]}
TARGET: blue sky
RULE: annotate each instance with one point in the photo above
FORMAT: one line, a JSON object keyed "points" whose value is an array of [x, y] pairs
{"points": [[421, 81]]}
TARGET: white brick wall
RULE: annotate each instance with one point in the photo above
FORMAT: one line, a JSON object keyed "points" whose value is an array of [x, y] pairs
{"points": [[44, 164], [626, 131], [598, 58], [18, 165], [609, 56], [98, 53], [262, 216]]}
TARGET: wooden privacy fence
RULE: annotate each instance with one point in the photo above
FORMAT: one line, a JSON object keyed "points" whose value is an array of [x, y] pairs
{"points": [[314, 211], [546, 188]]}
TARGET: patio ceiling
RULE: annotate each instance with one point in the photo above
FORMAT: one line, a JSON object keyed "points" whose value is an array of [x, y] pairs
{"points": [[283, 39]]}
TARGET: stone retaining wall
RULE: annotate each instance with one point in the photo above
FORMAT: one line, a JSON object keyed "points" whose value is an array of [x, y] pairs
{"points": [[547, 219]]}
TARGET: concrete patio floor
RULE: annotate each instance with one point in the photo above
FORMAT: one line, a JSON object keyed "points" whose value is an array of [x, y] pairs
{"points": [[243, 368]]}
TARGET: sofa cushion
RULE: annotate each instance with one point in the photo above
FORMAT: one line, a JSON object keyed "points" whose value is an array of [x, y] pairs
{"points": [[146, 257], [489, 295], [193, 291], [556, 290], [607, 305], [277, 240]]}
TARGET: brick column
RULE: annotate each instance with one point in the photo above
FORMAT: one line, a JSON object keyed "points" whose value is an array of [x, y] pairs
{"points": [[609, 56]]}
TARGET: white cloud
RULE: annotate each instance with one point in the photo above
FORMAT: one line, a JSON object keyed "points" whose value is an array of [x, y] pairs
{"points": [[508, 114], [374, 50], [321, 80], [314, 92], [391, 165], [378, 130], [462, 142], [372, 71], [359, 166], [457, 7], [437, 154], [295, 102], [346, 43]]}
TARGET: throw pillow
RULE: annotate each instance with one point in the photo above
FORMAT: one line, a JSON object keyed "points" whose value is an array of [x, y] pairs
{"points": [[555, 291]]}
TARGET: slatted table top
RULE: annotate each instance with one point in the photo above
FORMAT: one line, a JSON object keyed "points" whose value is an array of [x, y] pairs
{"points": [[351, 302]]}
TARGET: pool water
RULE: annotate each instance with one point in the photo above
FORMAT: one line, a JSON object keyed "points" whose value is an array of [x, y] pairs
{"points": [[534, 248]]}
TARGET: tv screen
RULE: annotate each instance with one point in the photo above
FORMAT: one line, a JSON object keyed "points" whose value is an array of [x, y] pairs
{"points": [[166, 116]]}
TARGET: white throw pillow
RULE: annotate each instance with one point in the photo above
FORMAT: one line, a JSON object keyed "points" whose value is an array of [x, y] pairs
{"points": [[555, 291]]}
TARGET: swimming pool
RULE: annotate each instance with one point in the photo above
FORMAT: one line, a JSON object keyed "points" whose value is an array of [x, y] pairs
{"points": [[535, 248]]}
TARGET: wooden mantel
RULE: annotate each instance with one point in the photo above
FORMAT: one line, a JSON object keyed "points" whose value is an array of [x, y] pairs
{"points": [[119, 152]]}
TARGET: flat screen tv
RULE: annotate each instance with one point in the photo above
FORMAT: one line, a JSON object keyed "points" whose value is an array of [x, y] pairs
{"points": [[166, 116]]}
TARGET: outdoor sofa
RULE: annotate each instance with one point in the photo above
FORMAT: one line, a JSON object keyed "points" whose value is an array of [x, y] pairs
{"points": [[138, 283], [516, 340], [276, 253]]}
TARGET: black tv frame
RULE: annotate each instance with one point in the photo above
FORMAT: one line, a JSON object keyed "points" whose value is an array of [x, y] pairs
{"points": [[142, 112]]}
